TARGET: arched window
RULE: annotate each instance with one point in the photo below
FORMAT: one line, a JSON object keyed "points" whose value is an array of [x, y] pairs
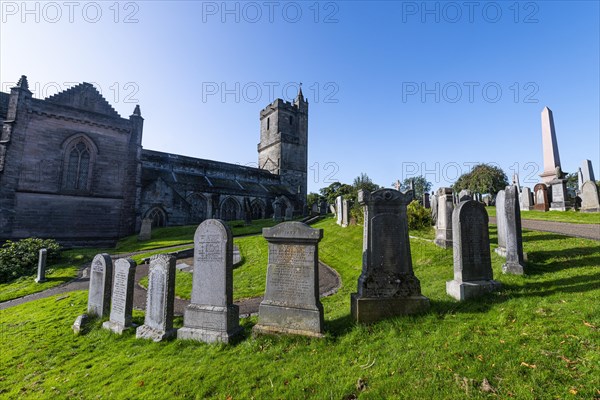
{"points": [[229, 209], [258, 210], [79, 157], [158, 217]]}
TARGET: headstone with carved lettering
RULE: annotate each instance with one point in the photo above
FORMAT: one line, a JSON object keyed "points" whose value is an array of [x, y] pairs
{"points": [[526, 199], [211, 316], [145, 230], [345, 213], [158, 322], [291, 303], [338, 210], [541, 197], [589, 197], [387, 286], [434, 209], [515, 261], [445, 205], [473, 274], [122, 296], [501, 223], [101, 272]]}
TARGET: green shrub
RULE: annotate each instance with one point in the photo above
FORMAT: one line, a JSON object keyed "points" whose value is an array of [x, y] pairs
{"points": [[419, 217], [21, 258]]}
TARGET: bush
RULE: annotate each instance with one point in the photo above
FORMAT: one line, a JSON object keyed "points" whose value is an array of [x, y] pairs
{"points": [[21, 258], [419, 217]]}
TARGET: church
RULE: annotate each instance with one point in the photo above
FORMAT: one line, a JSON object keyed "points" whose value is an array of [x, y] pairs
{"points": [[74, 170]]}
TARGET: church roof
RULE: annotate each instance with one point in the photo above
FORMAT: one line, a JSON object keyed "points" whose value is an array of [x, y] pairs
{"points": [[84, 97]]}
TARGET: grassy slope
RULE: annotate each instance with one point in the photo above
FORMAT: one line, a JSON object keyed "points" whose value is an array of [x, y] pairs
{"points": [[538, 338], [571, 216], [72, 260]]}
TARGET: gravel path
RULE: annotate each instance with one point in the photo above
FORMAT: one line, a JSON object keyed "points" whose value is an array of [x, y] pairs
{"points": [[587, 231]]}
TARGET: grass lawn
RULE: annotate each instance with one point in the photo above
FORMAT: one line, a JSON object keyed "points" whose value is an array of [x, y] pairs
{"points": [[537, 338], [574, 217], [71, 260]]}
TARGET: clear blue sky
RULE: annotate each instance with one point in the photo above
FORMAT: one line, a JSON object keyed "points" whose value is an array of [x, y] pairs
{"points": [[395, 88]]}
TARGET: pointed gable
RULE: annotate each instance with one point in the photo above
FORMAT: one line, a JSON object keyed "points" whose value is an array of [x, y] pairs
{"points": [[84, 97]]}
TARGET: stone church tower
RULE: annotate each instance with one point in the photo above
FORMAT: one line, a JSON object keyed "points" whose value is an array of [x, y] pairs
{"points": [[283, 147]]}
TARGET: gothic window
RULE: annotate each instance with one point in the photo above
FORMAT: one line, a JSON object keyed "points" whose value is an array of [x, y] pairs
{"points": [[158, 217], [79, 156], [257, 210], [229, 210]]}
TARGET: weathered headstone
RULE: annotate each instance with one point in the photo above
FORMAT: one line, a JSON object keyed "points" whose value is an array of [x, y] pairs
{"points": [[426, 202], [464, 195], [145, 230], [589, 197], [473, 274], [278, 210], [122, 296], [514, 240], [345, 213], [41, 271], [550, 147], [526, 199], [314, 210], [338, 209], [387, 285], [541, 197], [559, 195], [323, 207], [158, 322], [291, 303], [332, 209], [211, 316], [101, 273], [445, 201], [80, 323], [501, 223], [289, 213], [587, 172], [434, 209]]}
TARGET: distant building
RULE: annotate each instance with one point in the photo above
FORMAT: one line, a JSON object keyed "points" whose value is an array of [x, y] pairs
{"points": [[71, 168]]}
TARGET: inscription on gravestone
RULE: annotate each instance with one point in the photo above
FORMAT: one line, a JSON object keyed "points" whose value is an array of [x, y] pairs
{"points": [[101, 273], [291, 303], [122, 296], [513, 235]]}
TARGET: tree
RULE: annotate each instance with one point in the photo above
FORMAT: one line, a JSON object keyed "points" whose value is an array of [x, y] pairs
{"points": [[334, 190], [421, 186], [572, 181], [312, 198], [363, 182], [483, 178]]}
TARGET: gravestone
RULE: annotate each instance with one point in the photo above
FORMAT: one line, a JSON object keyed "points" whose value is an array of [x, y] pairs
{"points": [[445, 201], [579, 179], [512, 232], [315, 209], [211, 316], [464, 195], [526, 199], [332, 209], [289, 212], [587, 172], [338, 209], [41, 271], [278, 210], [158, 322], [146, 230], [501, 223], [559, 195], [541, 197], [473, 274], [434, 209], [101, 273], [387, 286], [323, 207], [426, 202], [345, 213], [122, 296], [589, 197], [550, 147], [291, 303]]}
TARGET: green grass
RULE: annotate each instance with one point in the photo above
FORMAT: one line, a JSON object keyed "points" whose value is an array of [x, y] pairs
{"points": [[571, 216], [537, 338]]}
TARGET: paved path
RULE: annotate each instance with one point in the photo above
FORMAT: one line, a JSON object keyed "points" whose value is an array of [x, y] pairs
{"points": [[587, 231]]}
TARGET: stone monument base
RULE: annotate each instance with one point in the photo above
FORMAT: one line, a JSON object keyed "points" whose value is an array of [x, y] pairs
{"points": [[146, 332], [590, 210], [471, 289], [512, 268], [559, 206], [367, 310], [116, 327], [274, 318], [210, 324]]}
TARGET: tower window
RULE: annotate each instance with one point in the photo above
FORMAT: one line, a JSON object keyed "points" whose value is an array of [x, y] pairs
{"points": [[291, 120], [268, 123]]}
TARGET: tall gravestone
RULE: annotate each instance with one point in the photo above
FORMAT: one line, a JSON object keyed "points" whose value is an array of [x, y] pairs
{"points": [[434, 209], [526, 200], [589, 197], [513, 235], [473, 274], [387, 286], [550, 147], [445, 202], [278, 210], [559, 195], [158, 322], [291, 303], [426, 202], [41, 272], [501, 223], [101, 273], [145, 230], [587, 172], [122, 296], [211, 316], [338, 209], [345, 213], [541, 197]]}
